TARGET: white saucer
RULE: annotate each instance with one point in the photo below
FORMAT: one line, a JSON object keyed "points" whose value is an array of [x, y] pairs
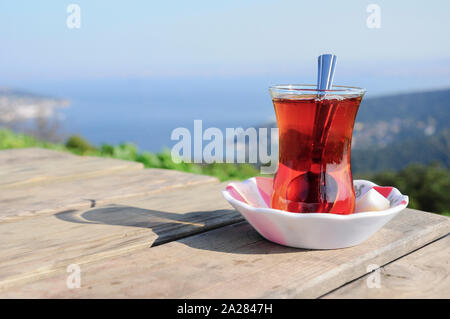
{"points": [[251, 198]]}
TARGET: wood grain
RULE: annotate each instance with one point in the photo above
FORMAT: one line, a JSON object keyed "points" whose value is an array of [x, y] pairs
{"points": [[235, 262], [21, 167], [36, 247], [159, 233], [424, 273], [45, 198]]}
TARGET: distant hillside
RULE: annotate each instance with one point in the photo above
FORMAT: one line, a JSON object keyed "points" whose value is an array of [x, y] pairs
{"points": [[394, 131], [16, 105], [416, 106], [392, 119], [399, 154]]}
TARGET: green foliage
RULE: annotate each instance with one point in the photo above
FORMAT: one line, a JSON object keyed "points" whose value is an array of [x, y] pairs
{"points": [[222, 171], [428, 187], [78, 145], [128, 151], [9, 139]]}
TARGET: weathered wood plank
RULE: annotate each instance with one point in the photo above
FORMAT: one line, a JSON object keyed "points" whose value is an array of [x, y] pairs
{"points": [[19, 202], [36, 247], [234, 262], [28, 166], [424, 273]]}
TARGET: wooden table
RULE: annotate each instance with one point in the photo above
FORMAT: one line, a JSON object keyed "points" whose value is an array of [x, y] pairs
{"points": [[151, 233]]}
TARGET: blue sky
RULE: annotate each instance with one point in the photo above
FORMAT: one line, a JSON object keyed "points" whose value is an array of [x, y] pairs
{"points": [[120, 39]]}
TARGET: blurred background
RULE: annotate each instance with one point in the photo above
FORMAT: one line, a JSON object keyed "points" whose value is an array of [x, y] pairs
{"points": [[114, 78]]}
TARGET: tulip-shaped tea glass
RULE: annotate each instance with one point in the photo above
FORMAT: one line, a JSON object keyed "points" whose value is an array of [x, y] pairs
{"points": [[315, 137]]}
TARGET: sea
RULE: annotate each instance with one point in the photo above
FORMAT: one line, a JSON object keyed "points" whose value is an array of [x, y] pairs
{"points": [[145, 111]]}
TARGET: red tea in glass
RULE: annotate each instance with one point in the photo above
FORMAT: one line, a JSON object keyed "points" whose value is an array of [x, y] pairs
{"points": [[315, 135]]}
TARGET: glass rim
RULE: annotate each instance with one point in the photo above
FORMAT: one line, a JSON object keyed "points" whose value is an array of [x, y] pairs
{"points": [[312, 88]]}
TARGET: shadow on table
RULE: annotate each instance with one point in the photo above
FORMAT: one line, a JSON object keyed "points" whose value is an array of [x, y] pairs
{"points": [[238, 237]]}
